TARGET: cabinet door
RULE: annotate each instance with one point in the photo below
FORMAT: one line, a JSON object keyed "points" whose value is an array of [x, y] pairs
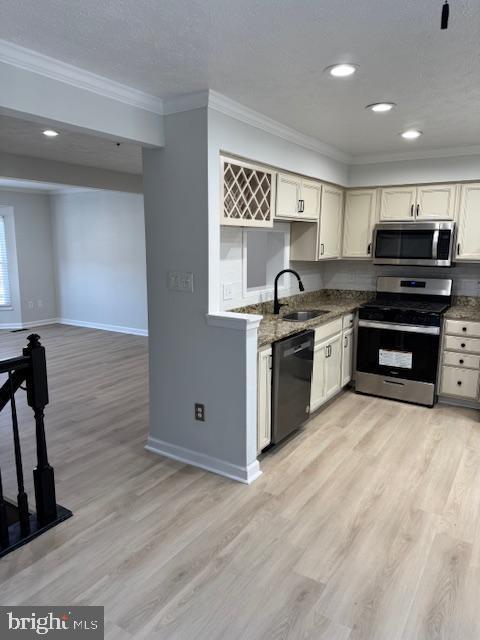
{"points": [[358, 223], [436, 201], [310, 197], [398, 203], [333, 366], [317, 392], [468, 247], [288, 196], [264, 396], [347, 357], [330, 223]]}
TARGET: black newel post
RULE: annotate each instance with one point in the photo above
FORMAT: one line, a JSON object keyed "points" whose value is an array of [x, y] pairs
{"points": [[37, 398]]}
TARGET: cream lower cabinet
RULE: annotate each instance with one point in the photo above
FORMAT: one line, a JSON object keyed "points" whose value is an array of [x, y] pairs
{"points": [[460, 373], [264, 398], [332, 362], [347, 357]]}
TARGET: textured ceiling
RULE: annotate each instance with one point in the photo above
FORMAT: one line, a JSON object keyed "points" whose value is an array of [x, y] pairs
{"points": [[26, 138], [270, 56]]}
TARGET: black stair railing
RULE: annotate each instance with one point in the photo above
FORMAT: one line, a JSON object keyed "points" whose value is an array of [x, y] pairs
{"points": [[17, 524]]}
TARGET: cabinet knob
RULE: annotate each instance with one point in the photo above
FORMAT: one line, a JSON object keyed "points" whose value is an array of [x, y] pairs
{"points": [[464, 328], [459, 382], [461, 361], [463, 345]]}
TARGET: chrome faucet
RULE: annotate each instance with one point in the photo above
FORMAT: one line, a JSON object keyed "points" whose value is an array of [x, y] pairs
{"points": [[276, 303]]}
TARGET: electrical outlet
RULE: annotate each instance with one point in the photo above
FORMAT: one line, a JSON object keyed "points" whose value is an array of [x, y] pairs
{"points": [[199, 412], [227, 292], [180, 281]]}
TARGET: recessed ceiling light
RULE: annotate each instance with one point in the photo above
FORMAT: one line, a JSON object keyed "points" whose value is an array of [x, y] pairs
{"points": [[342, 70], [381, 107], [411, 134], [50, 133]]}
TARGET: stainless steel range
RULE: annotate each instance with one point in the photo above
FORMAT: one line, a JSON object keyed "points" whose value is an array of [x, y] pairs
{"points": [[399, 339]]}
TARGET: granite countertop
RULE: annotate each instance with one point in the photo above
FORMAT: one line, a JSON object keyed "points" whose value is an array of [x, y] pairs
{"points": [[464, 308], [336, 302]]}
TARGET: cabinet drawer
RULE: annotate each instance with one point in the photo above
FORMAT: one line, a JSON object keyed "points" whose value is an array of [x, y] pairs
{"points": [[462, 328], [469, 345], [348, 321], [461, 360], [327, 330], [459, 382]]}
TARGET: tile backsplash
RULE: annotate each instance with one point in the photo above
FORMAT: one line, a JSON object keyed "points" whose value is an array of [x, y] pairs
{"points": [[362, 276]]}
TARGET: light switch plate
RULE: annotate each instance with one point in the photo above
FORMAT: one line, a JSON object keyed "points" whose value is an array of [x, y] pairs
{"points": [[180, 281], [227, 292]]}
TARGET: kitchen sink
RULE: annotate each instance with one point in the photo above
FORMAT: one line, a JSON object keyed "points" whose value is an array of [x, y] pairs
{"points": [[303, 316]]}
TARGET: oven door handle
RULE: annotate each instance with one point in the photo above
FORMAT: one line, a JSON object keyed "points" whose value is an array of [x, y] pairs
{"points": [[390, 326]]}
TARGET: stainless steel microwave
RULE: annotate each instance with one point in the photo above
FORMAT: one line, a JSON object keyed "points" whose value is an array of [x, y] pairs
{"points": [[422, 244]]}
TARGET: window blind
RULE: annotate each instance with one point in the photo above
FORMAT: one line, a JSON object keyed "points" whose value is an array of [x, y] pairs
{"points": [[5, 299]]}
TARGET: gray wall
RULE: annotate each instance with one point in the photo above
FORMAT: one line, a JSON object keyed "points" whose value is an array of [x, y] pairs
{"points": [[190, 361], [99, 239], [34, 252]]}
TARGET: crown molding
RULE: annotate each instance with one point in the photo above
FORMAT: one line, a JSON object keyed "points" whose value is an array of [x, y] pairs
{"points": [[41, 64], [445, 152], [238, 111], [186, 102]]}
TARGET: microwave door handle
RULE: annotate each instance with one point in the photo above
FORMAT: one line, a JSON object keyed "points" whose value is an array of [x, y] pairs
{"points": [[436, 234]]}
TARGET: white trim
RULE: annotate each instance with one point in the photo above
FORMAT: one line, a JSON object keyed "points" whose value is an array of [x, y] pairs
{"points": [[49, 67], [104, 327], [39, 323], [186, 102], [238, 111], [237, 321], [8, 326], [246, 475], [446, 152]]}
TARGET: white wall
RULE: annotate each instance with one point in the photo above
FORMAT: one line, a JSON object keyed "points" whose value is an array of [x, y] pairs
{"points": [[33, 298], [232, 136], [413, 171], [99, 239]]}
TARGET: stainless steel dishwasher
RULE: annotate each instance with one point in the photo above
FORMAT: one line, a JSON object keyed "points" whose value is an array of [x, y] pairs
{"points": [[291, 382]]}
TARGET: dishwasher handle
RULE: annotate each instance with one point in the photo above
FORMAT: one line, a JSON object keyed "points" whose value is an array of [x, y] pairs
{"points": [[293, 350]]}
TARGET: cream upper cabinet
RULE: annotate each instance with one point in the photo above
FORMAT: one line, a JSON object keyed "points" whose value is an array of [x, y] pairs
{"points": [[330, 223], [436, 202], [288, 195], [468, 238], [358, 222], [297, 198], [424, 202], [398, 203], [310, 199]]}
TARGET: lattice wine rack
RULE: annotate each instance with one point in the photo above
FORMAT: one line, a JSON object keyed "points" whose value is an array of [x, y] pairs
{"points": [[247, 194]]}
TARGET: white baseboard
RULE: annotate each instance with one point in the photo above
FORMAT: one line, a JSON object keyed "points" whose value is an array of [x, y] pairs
{"points": [[28, 325], [104, 327], [242, 474]]}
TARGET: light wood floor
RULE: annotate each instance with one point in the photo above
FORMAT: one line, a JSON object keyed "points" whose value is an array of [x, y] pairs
{"points": [[364, 526]]}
